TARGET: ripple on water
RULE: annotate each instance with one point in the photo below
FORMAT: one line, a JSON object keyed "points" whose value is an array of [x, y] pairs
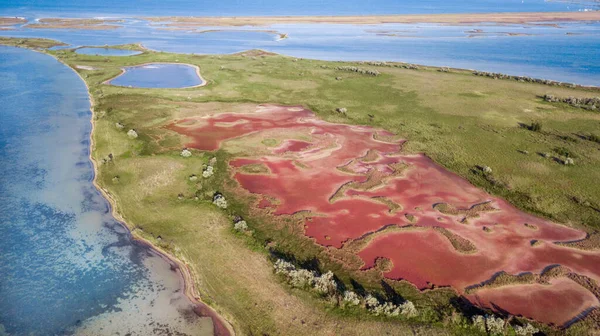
{"points": [[66, 265]]}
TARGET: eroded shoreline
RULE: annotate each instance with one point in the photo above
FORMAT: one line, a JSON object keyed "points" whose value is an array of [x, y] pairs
{"points": [[221, 326]]}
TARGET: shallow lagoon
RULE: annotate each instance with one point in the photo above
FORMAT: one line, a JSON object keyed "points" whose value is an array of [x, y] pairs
{"points": [[159, 75], [565, 53], [106, 52], [67, 266]]}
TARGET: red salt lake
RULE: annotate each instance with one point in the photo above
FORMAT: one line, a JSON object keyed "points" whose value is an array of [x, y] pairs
{"points": [[304, 175]]}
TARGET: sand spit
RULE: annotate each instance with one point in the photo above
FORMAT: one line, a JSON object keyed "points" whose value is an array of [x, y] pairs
{"points": [[88, 24], [379, 19], [10, 21]]}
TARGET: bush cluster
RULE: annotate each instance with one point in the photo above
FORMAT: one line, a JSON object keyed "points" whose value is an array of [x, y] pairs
{"points": [[407, 308], [303, 278], [585, 103], [495, 75], [240, 225], [208, 171], [186, 153], [220, 201], [526, 330], [326, 285], [132, 134], [359, 70], [393, 65], [497, 326]]}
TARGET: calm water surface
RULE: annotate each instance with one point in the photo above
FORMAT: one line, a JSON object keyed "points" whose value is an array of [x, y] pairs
{"points": [[67, 8], [568, 53], [106, 52], [66, 266], [159, 75]]}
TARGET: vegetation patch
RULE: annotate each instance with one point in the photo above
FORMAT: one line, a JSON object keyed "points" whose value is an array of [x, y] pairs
{"points": [[461, 244], [255, 168], [504, 279], [472, 212], [591, 104], [589, 243]]}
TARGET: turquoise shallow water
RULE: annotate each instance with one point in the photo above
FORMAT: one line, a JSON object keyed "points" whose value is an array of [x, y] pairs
{"points": [[66, 265]]}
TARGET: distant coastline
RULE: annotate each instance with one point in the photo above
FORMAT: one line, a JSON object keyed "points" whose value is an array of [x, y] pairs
{"points": [[380, 19]]}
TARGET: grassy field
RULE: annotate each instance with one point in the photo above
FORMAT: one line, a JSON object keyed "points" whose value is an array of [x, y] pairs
{"points": [[460, 120]]}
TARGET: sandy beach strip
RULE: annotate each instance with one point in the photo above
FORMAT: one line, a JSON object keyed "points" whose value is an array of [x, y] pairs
{"points": [[57, 23], [380, 19], [221, 325], [9, 21]]}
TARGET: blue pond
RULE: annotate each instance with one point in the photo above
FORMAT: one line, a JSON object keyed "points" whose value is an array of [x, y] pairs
{"points": [[107, 52], [66, 265], [159, 75]]}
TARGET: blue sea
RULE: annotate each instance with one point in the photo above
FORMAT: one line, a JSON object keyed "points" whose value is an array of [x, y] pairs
{"points": [[66, 265]]}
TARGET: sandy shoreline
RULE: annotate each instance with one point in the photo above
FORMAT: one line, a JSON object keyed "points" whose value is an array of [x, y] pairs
{"points": [[124, 70], [221, 326], [380, 19], [10, 21], [89, 24]]}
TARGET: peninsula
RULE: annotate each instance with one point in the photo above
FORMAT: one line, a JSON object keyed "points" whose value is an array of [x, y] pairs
{"points": [[299, 199]]}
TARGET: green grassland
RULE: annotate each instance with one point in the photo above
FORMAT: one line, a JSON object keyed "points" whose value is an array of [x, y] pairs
{"points": [[460, 120]]}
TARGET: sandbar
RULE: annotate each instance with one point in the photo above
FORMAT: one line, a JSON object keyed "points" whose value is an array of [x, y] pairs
{"points": [[381, 19]]}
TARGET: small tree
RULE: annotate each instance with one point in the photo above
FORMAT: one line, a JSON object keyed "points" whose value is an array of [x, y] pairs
{"points": [[351, 298], [219, 200], [526, 330], [479, 322], [208, 172], [186, 153], [325, 284], [408, 309], [495, 325], [283, 267], [241, 225]]}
